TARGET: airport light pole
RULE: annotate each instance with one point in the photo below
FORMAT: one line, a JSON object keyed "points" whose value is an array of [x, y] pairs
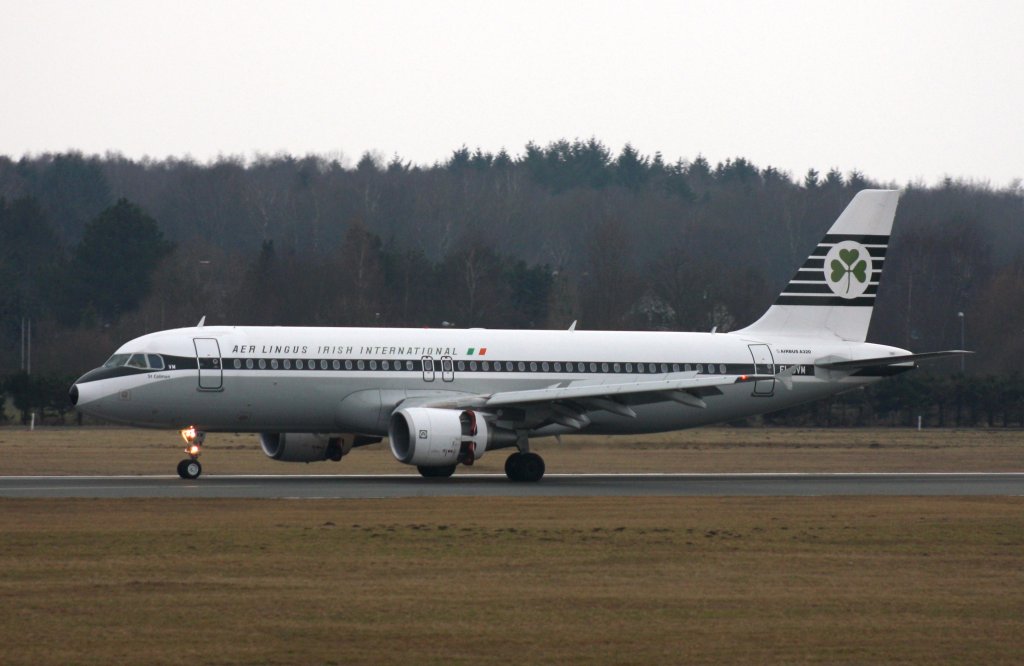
{"points": [[962, 344]]}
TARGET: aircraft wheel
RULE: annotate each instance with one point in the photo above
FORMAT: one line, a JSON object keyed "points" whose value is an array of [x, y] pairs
{"points": [[436, 472], [531, 467], [512, 465], [527, 467], [189, 469]]}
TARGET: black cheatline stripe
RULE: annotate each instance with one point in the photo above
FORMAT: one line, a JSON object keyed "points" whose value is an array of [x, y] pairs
{"points": [[862, 239], [819, 288], [400, 365], [179, 362], [877, 253], [824, 301]]}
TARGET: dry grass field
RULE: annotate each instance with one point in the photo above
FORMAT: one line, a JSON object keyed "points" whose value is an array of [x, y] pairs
{"points": [[520, 580], [130, 451], [517, 580]]}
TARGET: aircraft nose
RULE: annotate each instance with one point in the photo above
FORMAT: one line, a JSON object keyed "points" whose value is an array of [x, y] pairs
{"points": [[73, 394]]}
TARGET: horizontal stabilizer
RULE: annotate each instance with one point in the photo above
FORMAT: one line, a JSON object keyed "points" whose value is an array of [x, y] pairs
{"points": [[889, 360]]}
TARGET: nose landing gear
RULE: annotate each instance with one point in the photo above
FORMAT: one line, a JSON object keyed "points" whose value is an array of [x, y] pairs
{"points": [[189, 468]]}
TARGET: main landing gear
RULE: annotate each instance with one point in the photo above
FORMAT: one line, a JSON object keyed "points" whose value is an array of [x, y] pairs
{"points": [[189, 468], [524, 466], [520, 466]]}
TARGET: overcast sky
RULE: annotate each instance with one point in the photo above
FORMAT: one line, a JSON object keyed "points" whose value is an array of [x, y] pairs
{"points": [[901, 91]]}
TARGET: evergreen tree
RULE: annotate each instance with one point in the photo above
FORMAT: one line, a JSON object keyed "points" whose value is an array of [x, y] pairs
{"points": [[113, 264]]}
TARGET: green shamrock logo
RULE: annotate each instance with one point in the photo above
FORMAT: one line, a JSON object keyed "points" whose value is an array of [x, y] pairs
{"points": [[848, 265]]}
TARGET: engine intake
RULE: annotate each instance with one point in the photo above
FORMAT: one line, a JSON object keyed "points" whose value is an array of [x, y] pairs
{"points": [[429, 437]]}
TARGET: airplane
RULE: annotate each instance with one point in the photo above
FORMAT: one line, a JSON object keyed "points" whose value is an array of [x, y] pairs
{"points": [[445, 397]]}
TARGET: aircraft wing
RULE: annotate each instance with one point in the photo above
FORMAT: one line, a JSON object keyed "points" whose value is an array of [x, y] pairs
{"points": [[567, 402], [889, 360]]}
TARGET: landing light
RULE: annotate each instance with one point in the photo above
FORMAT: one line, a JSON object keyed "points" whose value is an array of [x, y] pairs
{"points": [[189, 434], [193, 450]]}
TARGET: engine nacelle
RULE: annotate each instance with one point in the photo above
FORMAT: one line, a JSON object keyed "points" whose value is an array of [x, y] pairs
{"points": [[301, 446], [431, 437]]}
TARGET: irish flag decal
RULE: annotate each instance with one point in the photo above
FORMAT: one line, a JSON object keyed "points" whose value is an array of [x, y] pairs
{"points": [[473, 351]]}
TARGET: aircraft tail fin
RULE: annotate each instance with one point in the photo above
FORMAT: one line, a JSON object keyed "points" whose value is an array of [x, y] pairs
{"points": [[832, 294]]}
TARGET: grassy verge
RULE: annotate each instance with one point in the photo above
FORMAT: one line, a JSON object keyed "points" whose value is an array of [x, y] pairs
{"points": [[441, 580]]}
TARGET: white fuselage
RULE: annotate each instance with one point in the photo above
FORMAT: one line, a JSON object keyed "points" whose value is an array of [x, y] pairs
{"points": [[350, 380]]}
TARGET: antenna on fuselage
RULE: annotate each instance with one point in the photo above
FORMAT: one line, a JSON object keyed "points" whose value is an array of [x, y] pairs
{"points": [[201, 322], [572, 326]]}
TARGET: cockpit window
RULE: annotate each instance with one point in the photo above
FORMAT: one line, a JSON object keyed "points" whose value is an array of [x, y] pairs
{"points": [[141, 361], [116, 361], [138, 361]]}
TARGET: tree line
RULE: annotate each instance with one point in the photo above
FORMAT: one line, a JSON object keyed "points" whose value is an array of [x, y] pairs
{"points": [[95, 250]]}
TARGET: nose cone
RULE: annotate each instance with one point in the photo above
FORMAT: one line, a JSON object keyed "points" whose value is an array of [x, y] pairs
{"points": [[73, 394]]}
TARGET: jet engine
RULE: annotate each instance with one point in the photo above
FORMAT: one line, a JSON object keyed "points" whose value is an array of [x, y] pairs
{"points": [[429, 437], [301, 446]]}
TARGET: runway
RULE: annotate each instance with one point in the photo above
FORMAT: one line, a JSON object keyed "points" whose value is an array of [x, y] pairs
{"points": [[496, 485]]}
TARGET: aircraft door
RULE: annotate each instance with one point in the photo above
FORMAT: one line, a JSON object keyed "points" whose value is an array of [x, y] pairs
{"points": [[428, 368], [764, 364], [211, 374], [447, 369]]}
